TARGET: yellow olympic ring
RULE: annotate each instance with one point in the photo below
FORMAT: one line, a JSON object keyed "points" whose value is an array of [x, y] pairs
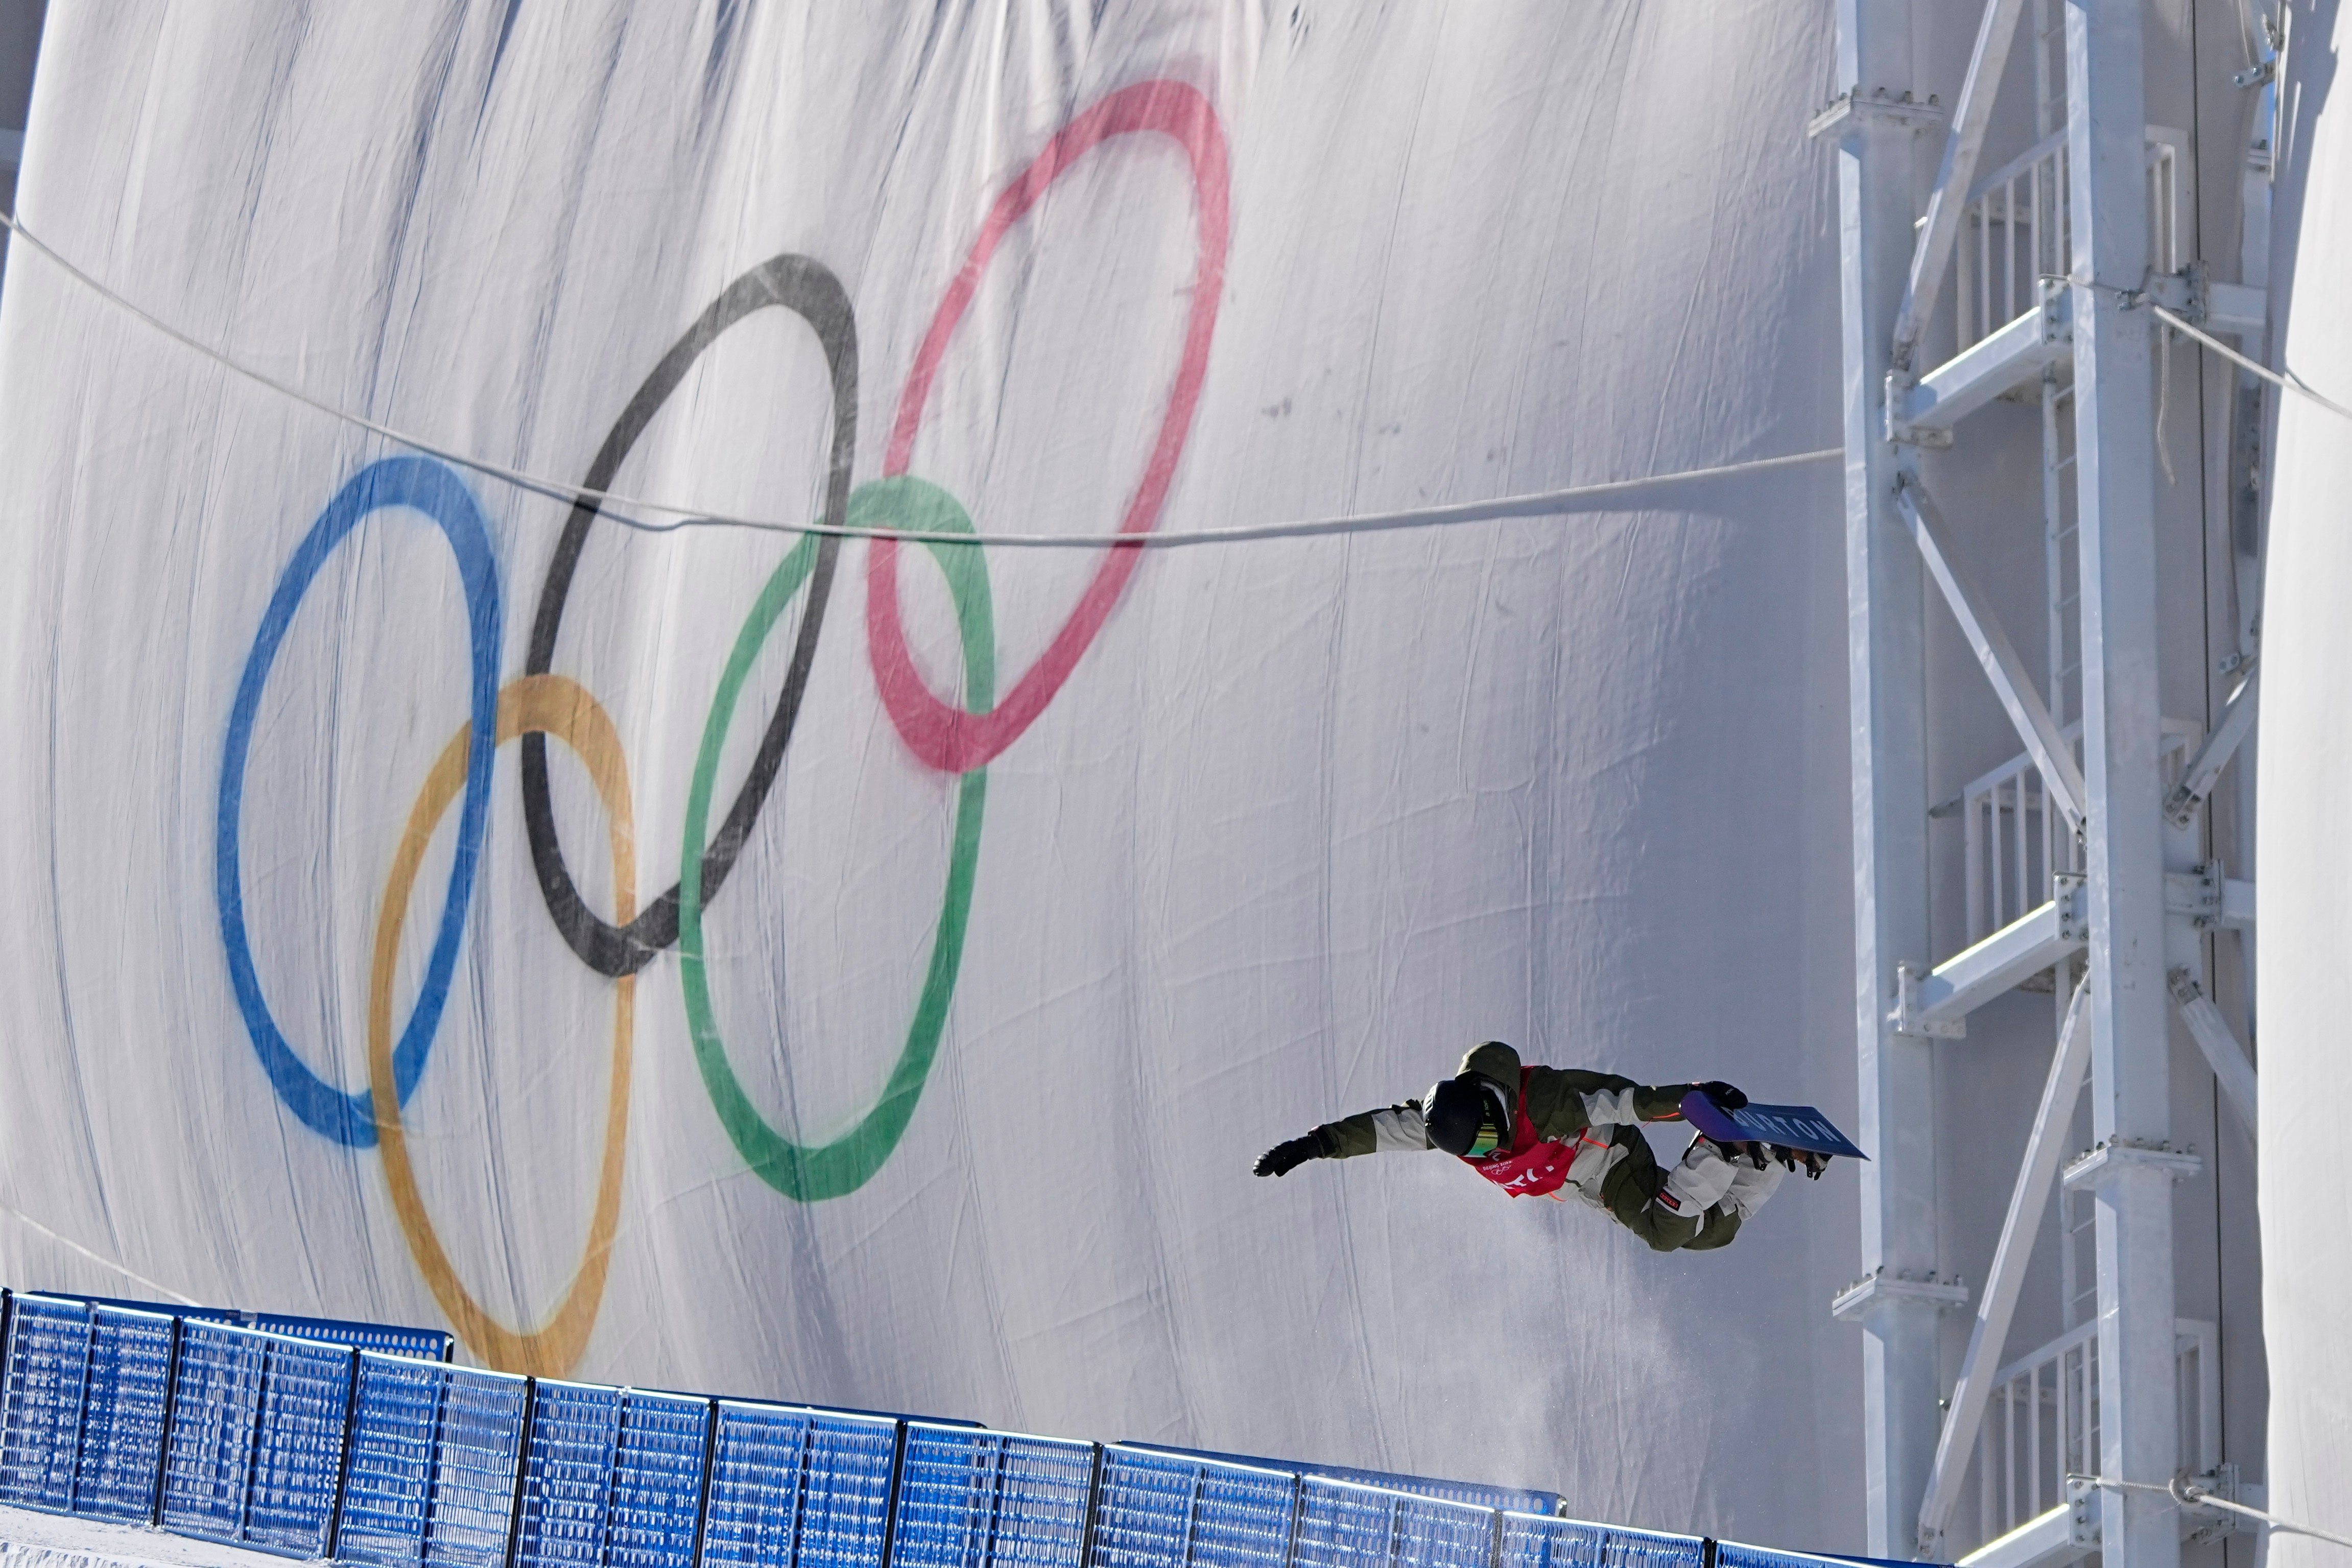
{"points": [[544, 704]]}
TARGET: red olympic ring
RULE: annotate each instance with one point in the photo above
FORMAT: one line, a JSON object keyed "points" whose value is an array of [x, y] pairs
{"points": [[941, 734]]}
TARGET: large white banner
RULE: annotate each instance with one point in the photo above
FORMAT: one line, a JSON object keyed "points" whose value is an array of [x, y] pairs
{"points": [[2306, 865], [755, 961]]}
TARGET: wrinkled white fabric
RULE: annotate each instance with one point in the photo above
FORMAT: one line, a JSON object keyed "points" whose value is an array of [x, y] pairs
{"points": [[2304, 860], [1296, 824]]}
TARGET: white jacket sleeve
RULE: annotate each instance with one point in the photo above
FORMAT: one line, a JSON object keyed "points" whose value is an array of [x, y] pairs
{"points": [[1398, 1130], [1605, 1107]]}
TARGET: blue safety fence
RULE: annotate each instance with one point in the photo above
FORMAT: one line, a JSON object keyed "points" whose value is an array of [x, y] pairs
{"points": [[162, 1309], [1536, 1542], [612, 1477], [657, 1492], [428, 1344], [1514, 1500], [1158, 1509], [1342, 1524], [254, 1450], [795, 1488], [81, 1414], [429, 1479], [432, 1344], [123, 1395], [313, 1447], [1731, 1555], [969, 1498], [40, 1424]]}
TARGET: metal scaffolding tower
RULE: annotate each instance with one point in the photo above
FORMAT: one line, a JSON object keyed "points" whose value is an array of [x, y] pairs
{"points": [[2084, 856]]}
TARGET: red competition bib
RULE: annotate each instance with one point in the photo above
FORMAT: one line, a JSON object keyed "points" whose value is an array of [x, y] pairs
{"points": [[1530, 1167]]}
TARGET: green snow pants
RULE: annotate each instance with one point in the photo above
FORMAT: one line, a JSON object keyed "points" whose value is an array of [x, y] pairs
{"points": [[1631, 1190]]}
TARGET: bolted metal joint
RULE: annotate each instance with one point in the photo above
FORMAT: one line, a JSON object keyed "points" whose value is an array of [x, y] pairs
{"points": [[2109, 1160], [1911, 1014], [1889, 1288], [1852, 108], [2070, 890], [2083, 1509], [2198, 894]]}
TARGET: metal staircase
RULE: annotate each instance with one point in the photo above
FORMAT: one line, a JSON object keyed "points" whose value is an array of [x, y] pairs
{"points": [[2086, 857]]}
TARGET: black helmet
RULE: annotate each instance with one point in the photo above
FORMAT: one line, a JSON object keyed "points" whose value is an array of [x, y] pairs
{"points": [[1462, 1112]]}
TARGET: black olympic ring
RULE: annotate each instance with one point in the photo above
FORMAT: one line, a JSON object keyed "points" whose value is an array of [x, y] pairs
{"points": [[810, 290]]}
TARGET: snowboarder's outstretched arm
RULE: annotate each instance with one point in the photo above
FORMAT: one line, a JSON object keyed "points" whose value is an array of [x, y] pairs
{"points": [[1393, 1129], [1561, 1104]]}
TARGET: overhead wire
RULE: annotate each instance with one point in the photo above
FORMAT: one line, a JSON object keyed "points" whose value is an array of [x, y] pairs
{"points": [[1543, 503], [97, 1258], [2187, 1494], [2289, 380]]}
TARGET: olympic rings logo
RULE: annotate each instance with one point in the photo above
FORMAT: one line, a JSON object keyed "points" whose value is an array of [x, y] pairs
{"points": [[957, 741]]}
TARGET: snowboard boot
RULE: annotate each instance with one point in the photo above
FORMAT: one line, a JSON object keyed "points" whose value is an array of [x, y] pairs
{"points": [[1752, 1185], [1698, 1180]]}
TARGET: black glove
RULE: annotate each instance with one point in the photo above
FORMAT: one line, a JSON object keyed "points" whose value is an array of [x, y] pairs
{"points": [[1724, 1096], [1289, 1154], [1810, 1161]]}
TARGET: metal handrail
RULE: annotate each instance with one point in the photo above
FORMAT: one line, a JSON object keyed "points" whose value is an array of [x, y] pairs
{"points": [[2053, 143], [2056, 1387]]}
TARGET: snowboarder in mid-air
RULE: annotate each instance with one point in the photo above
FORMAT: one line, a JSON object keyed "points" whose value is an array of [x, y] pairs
{"points": [[1545, 1131]]}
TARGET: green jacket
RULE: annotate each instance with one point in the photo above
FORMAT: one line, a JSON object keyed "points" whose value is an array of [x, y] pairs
{"points": [[1562, 1102]]}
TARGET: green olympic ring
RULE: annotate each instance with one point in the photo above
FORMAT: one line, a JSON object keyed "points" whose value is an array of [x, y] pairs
{"points": [[832, 1170]]}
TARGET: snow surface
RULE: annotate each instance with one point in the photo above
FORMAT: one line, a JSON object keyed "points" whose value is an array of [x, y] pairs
{"points": [[30, 1540]]}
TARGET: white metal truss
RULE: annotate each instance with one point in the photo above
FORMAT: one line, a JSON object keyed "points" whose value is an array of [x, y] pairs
{"points": [[1899, 1300], [2084, 855]]}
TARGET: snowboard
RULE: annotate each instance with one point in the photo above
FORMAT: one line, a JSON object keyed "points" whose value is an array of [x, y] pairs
{"points": [[1791, 1126]]}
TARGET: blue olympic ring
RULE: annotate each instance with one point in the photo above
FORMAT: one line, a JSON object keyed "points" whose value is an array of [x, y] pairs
{"points": [[429, 487]]}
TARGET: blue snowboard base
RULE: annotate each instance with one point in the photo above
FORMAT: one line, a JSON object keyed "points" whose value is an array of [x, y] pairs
{"points": [[1791, 1126]]}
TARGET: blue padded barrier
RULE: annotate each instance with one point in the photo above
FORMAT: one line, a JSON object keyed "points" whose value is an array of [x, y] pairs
{"points": [[1342, 1524], [431, 1476], [657, 1481], [121, 1448], [1520, 1499], [976, 1499], [795, 1488], [41, 1404], [257, 1438], [1156, 1509]]}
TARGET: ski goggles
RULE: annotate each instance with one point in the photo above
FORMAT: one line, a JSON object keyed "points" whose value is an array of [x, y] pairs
{"points": [[1487, 1141]]}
